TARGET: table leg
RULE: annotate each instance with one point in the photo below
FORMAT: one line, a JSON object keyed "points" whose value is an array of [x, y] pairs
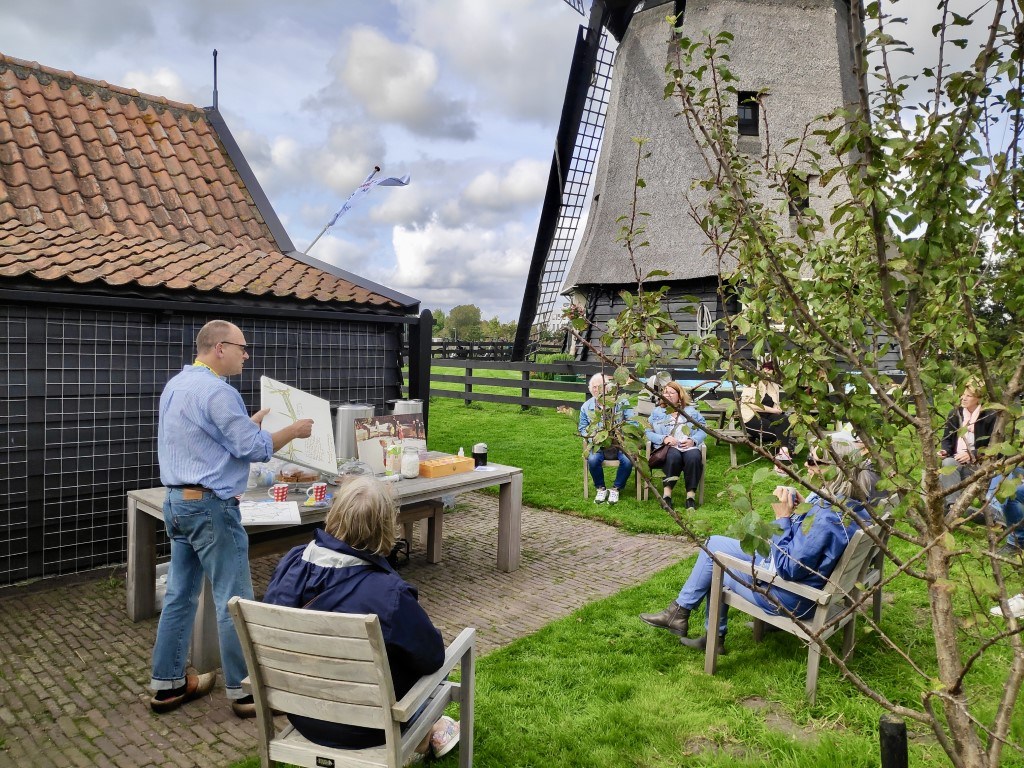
{"points": [[141, 576], [510, 513], [205, 635], [434, 533]]}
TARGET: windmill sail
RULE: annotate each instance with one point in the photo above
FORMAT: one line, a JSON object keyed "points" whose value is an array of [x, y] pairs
{"points": [[576, 151]]}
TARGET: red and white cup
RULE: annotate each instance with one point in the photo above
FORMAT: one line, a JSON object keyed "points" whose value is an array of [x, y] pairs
{"points": [[317, 492], [278, 492]]}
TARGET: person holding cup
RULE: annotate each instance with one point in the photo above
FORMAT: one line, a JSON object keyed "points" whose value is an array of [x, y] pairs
{"points": [[206, 441], [812, 536]]}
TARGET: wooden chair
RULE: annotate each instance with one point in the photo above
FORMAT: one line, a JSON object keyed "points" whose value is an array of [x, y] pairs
{"points": [[830, 601], [700, 487], [334, 666]]}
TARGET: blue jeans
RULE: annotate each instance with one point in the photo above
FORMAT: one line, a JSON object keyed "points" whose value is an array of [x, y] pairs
{"points": [[698, 583], [207, 539], [1013, 509], [595, 465]]}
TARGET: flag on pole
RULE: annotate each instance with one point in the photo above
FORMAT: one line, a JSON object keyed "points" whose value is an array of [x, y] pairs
{"points": [[366, 186]]}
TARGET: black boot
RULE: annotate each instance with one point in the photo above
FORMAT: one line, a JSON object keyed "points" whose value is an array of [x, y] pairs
{"points": [[701, 643], [674, 618]]}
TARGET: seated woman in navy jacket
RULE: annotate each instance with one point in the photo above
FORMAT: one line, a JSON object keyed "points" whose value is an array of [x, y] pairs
{"points": [[344, 570], [678, 426]]}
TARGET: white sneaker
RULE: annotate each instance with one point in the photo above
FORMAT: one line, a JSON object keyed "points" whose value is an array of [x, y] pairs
{"points": [[613, 496], [1015, 604], [601, 496], [783, 455]]}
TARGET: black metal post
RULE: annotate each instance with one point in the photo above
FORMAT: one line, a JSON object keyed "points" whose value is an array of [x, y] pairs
{"points": [[892, 737], [420, 334]]}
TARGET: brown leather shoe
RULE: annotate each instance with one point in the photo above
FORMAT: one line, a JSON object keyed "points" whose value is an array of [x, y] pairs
{"points": [[244, 707], [674, 618], [196, 686]]}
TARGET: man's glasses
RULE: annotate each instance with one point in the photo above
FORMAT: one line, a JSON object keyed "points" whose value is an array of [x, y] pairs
{"points": [[243, 347]]}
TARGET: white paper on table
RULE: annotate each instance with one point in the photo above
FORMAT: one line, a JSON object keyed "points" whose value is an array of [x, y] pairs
{"points": [[269, 512]]}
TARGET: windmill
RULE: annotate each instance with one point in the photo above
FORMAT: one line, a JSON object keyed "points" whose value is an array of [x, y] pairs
{"points": [[792, 63]]}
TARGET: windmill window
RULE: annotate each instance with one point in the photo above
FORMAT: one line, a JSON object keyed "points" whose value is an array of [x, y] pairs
{"points": [[798, 189], [748, 112]]}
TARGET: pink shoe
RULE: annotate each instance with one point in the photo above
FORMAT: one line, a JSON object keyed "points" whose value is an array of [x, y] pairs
{"points": [[444, 739]]}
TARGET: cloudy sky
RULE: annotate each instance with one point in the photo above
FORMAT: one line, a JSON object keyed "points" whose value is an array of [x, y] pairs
{"points": [[463, 95]]}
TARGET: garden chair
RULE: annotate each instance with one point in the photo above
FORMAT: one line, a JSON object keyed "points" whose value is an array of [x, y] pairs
{"points": [[832, 600], [334, 666]]}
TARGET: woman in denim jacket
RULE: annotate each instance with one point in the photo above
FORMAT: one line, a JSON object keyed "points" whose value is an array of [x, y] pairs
{"points": [[679, 426]]}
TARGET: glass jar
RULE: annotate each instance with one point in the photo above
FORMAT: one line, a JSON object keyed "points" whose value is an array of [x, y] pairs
{"points": [[410, 462]]}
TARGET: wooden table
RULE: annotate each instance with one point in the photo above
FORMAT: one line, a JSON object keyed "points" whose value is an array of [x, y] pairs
{"points": [[145, 515]]}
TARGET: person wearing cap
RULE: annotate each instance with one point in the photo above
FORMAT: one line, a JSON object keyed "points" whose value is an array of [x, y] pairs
{"points": [[806, 550], [763, 417], [592, 421], [677, 424], [968, 429]]}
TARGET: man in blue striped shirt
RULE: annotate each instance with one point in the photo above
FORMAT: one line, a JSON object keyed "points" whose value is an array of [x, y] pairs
{"points": [[206, 441]]}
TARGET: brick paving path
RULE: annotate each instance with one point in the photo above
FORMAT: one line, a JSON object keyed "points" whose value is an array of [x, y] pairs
{"points": [[74, 670]]}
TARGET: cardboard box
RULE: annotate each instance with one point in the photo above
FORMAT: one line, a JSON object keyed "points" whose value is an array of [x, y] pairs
{"points": [[446, 465]]}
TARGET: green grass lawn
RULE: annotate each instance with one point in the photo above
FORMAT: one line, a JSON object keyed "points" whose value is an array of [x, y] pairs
{"points": [[600, 688]]}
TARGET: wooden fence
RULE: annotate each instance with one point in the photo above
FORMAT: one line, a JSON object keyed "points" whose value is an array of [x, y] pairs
{"points": [[568, 378], [485, 350]]}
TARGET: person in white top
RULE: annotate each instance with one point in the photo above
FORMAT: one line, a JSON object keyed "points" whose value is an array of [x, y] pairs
{"points": [[968, 429]]}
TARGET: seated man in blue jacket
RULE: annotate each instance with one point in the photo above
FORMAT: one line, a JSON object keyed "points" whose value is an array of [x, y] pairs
{"points": [[806, 556], [345, 570], [591, 422]]}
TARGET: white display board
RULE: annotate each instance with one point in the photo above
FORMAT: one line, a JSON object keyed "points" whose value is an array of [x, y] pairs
{"points": [[288, 404]]}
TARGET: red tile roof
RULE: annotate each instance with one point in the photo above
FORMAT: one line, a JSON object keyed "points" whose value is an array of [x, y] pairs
{"points": [[104, 183]]}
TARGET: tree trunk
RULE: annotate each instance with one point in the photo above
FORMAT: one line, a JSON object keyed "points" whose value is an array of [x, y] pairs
{"points": [[968, 747]]}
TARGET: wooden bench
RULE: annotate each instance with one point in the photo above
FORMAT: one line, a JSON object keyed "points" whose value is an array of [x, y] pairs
{"points": [[825, 619], [334, 667]]}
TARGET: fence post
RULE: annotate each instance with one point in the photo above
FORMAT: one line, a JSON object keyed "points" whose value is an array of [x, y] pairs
{"points": [[468, 385], [420, 339], [525, 391], [892, 736]]}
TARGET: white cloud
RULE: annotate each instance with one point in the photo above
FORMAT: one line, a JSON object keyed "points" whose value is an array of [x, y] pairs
{"points": [[399, 83], [444, 266], [524, 183], [161, 81], [514, 53]]}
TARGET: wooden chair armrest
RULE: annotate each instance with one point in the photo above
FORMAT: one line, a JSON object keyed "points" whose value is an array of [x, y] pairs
{"points": [[403, 710], [771, 578]]}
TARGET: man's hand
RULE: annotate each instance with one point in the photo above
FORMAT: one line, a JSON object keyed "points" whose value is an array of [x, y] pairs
{"points": [[297, 429], [964, 457], [669, 440], [687, 443], [257, 418]]}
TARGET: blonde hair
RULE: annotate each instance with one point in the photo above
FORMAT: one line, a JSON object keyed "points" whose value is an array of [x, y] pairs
{"points": [[364, 516], [684, 396]]}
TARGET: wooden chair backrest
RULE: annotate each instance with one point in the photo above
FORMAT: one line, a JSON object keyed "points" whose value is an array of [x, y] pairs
{"points": [[850, 566], [329, 666]]}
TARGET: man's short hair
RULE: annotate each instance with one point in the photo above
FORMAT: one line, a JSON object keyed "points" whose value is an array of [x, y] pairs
{"points": [[597, 377], [210, 334], [364, 516]]}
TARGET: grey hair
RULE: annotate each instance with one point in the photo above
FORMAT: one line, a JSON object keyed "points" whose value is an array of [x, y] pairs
{"points": [[597, 377], [364, 516]]}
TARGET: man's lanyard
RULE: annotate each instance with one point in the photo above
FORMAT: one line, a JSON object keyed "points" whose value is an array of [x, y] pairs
{"points": [[198, 364]]}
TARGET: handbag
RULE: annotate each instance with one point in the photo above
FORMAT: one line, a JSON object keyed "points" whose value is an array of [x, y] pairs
{"points": [[658, 456]]}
